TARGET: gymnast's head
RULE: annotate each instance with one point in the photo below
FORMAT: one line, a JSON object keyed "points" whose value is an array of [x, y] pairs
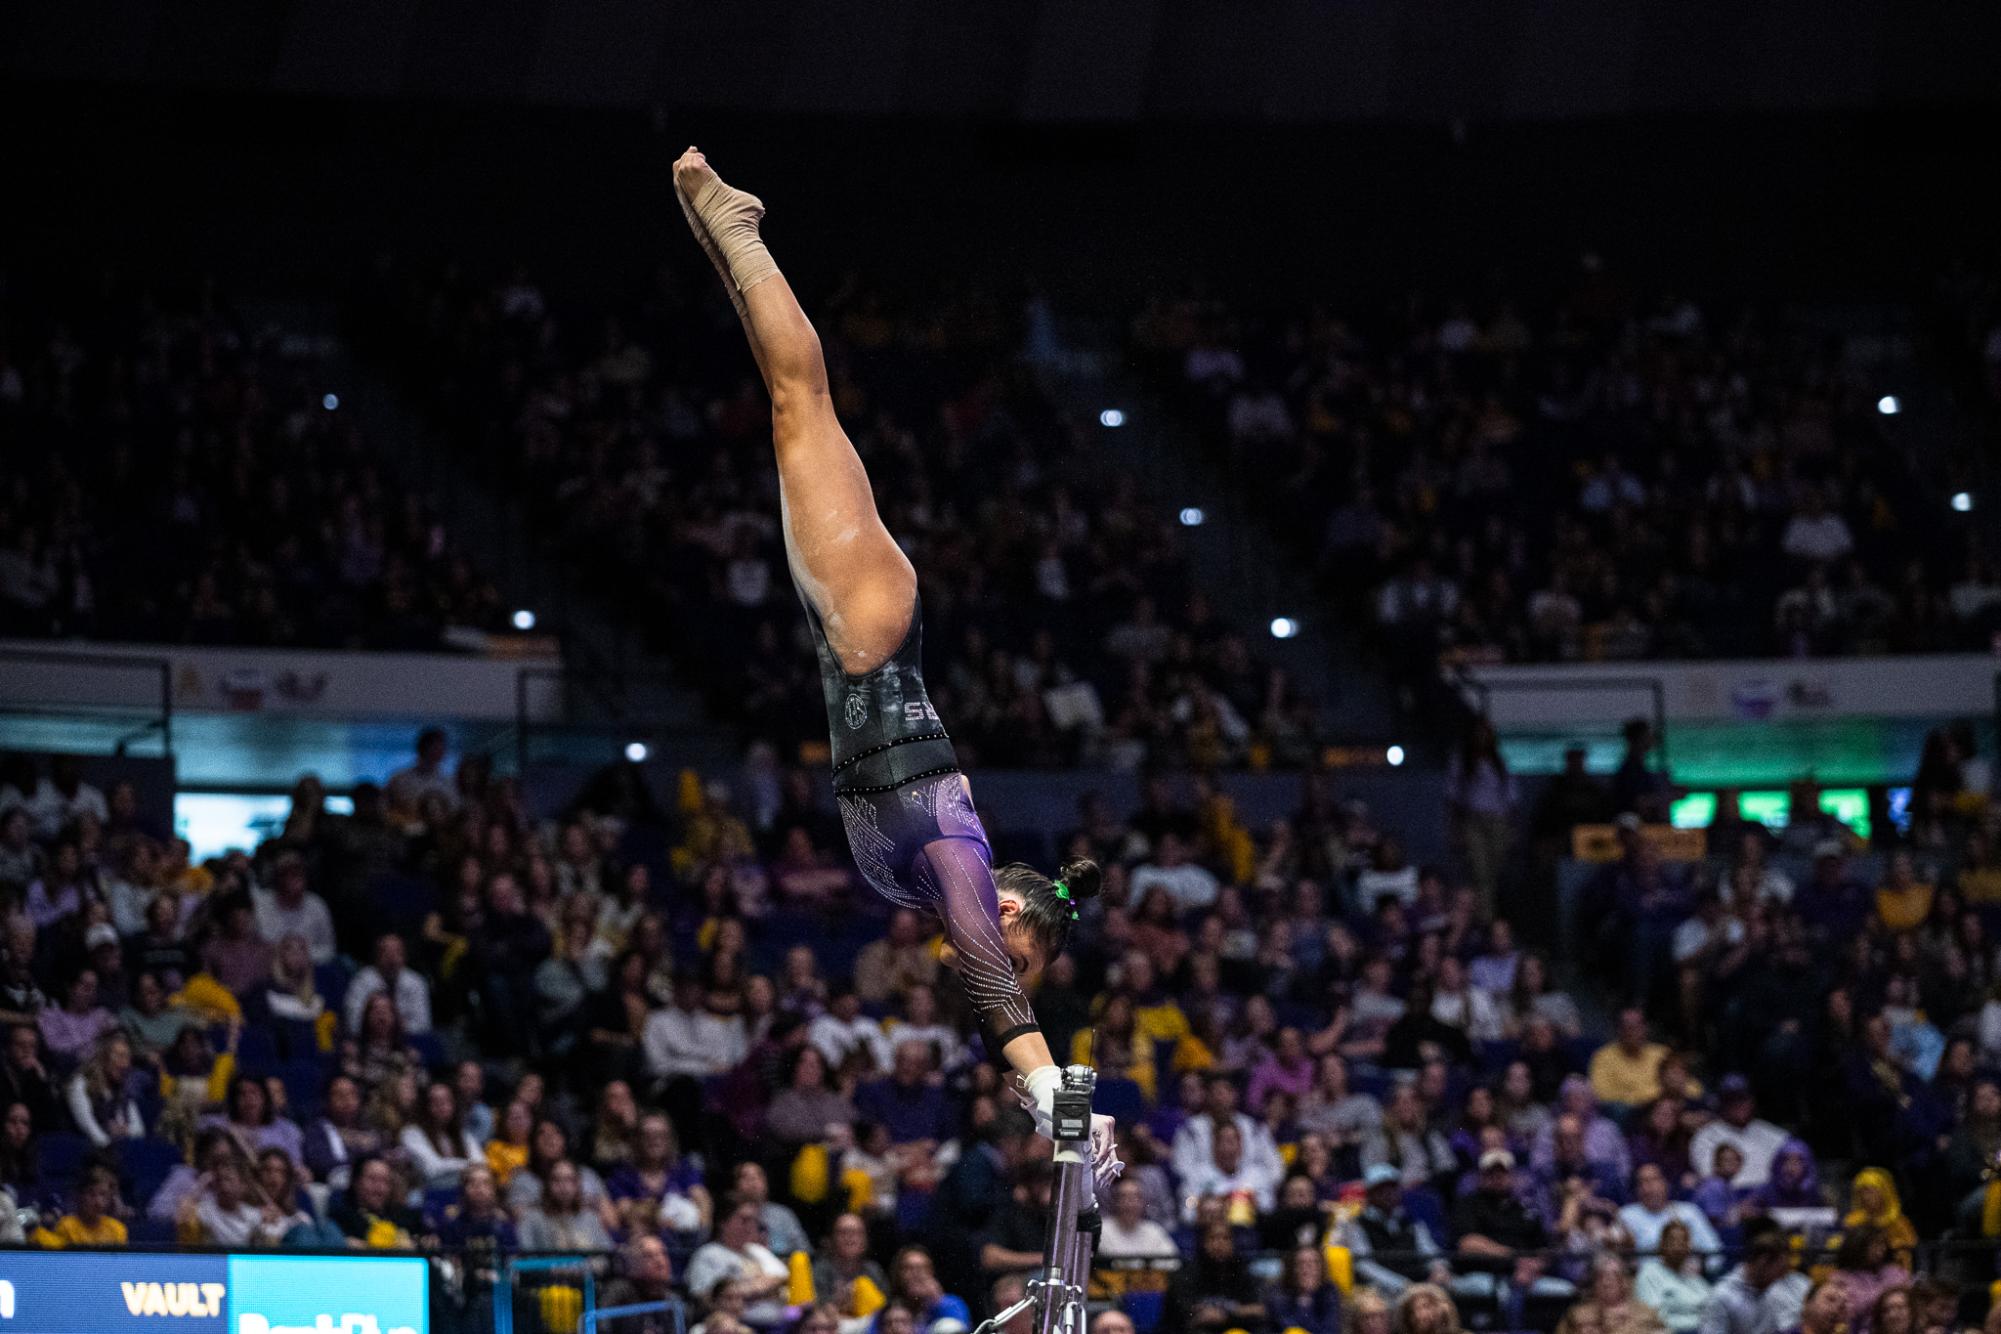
{"points": [[1037, 913]]}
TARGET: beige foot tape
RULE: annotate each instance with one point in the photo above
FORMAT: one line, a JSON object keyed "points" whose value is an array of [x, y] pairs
{"points": [[730, 219], [715, 256]]}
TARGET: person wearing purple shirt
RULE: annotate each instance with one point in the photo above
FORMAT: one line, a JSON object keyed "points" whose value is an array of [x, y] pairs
{"points": [[1286, 1068], [254, 1124], [909, 1103], [69, 1030], [1494, 970], [61, 892], [238, 957], [1603, 1145]]}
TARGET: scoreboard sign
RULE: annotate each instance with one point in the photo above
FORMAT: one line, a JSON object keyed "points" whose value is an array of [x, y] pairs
{"points": [[56, 1292]]}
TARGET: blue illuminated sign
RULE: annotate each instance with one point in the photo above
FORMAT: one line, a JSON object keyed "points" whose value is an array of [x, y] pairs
{"points": [[53, 1292]]}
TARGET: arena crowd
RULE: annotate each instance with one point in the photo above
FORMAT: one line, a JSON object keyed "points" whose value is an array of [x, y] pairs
{"points": [[1062, 622], [180, 475], [1349, 1089], [1612, 474]]}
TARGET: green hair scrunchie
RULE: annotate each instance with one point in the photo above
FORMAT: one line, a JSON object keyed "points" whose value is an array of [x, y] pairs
{"points": [[1063, 892]]}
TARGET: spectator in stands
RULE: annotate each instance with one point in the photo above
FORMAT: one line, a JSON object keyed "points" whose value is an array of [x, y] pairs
{"points": [[224, 1214], [62, 798], [1873, 1202], [391, 973], [1407, 1141], [507, 947], [253, 1123], [1214, 1292], [439, 1147], [685, 1040], [101, 1105], [1867, 1269], [844, 1277], [1762, 1295], [646, 1278], [914, 1287], [902, 958], [1128, 1233], [1500, 1239], [1304, 1298], [561, 1219], [1391, 1248], [377, 1052], [1480, 803], [477, 1228], [1653, 1210], [778, 1226], [1229, 1174], [1625, 1072], [337, 1140], [65, 886], [1671, 1281], [238, 955], [660, 1174], [737, 1255], [808, 1108], [849, 1039], [20, 1169], [910, 1102], [1737, 1124], [508, 1151], [290, 908], [293, 994], [425, 777], [70, 1030], [92, 1219]]}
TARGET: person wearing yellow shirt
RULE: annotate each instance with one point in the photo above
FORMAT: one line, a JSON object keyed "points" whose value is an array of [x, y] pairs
{"points": [[1120, 1049], [89, 1223], [507, 1151], [1903, 901], [1156, 1018], [1627, 1070]]}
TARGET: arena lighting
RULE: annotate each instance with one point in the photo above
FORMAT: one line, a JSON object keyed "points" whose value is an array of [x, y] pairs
{"points": [[330, 402], [1394, 755], [1962, 501], [636, 751], [1192, 516], [1283, 627], [1888, 405], [1111, 419], [524, 620]]}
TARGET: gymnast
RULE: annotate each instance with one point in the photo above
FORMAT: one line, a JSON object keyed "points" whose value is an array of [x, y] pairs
{"points": [[907, 807]]}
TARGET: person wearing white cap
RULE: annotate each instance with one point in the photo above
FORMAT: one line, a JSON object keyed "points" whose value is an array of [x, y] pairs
{"points": [[1391, 1248]]}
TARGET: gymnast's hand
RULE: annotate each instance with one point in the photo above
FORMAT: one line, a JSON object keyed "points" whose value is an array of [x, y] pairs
{"points": [[1038, 1097]]}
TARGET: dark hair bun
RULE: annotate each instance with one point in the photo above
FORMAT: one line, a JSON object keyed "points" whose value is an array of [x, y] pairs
{"points": [[1081, 874]]}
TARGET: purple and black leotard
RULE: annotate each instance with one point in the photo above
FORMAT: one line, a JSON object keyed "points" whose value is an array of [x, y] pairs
{"points": [[910, 821]]}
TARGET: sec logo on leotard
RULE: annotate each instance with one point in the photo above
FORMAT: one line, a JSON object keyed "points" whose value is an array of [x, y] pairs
{"points": [[857, 711]]}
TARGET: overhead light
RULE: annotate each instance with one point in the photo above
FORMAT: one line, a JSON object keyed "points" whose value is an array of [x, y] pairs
{"points": [[636, 751], [1192, 516], [524, 619], [330, 402], [1962, 501], [1283, 627], [1111, 419], [1394, 755], [1888, 405]]}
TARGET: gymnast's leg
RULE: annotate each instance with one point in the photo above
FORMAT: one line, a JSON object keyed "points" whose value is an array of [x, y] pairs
{"points": [[857, 578]]}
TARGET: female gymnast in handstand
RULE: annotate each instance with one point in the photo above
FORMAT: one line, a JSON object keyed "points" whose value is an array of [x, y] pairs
{"points": [[907, 807]]}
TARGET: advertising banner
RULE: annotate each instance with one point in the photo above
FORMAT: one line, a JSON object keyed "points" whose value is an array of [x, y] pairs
{"points": [[303, 682], [56, 1292], [1744, 691]]}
